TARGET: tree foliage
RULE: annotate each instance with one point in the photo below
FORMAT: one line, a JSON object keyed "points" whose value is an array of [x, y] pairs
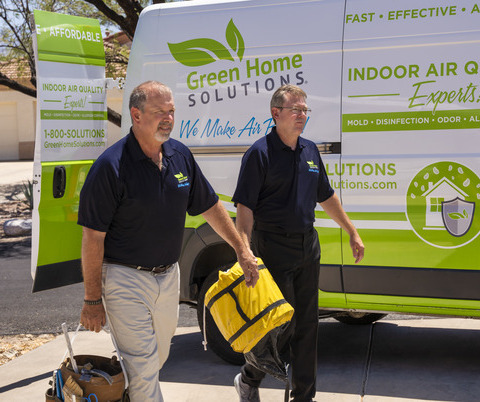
{"points": [[17, 63]]}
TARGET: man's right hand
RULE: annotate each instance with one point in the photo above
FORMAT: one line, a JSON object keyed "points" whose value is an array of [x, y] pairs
{"points": [[248, 262], [93, 317]]}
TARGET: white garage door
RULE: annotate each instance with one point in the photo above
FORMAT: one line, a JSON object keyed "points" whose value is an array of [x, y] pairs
{"points": [[8, 131]]}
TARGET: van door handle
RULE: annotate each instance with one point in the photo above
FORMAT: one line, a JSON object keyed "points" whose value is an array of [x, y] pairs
{"points": [[59, 181], [330, 147]]}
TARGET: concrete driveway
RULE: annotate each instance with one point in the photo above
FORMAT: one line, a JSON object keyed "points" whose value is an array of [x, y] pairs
{"points": [[391, 360]]}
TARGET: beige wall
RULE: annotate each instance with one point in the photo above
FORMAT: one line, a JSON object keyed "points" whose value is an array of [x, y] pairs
{"points": [[17, 123], [9, 131]]}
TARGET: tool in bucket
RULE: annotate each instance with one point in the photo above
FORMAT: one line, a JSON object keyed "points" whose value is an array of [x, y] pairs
{"points": [[89, 378]]}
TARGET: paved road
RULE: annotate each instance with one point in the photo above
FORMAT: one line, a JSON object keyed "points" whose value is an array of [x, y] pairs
{"points": [[22, 311]]}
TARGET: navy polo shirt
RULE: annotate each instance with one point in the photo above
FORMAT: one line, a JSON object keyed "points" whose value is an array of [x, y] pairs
{"points": [[282, 186], [140, 207]]}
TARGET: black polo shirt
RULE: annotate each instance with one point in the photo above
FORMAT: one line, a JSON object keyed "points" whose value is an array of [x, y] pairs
{"points": [[141, 208], [282, 186]]}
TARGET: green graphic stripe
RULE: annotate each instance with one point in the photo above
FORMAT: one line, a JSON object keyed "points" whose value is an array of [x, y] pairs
{"points": [[225, 197], [368, 216], [197, 221], [424, 120], [69, 39], [72, 115], [372, 95], [72, 59], [70, 163], [194, 222]]}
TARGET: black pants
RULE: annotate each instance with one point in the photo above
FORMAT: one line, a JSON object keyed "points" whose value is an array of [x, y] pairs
{"points": [[294, 262]]}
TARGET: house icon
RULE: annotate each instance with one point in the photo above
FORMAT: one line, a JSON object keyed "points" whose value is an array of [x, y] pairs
{"points": [[443, 190]]}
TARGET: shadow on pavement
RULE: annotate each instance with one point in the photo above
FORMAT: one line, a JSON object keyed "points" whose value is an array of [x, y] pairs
{"points": [[403, 362], [425, 363], [15, 247], [189, 363], [380, 360], [25, 382]]}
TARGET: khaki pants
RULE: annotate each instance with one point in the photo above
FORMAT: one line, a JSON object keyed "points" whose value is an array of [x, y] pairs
{"points": [[142, 311]]}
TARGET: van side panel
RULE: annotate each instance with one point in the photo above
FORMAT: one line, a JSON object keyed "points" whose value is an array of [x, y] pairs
{"points": [[223, 71], [410, 154], [225, 67], [393, 92]]}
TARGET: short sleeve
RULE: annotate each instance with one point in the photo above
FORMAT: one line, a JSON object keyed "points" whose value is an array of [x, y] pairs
{"points": [[202, 196], [324, 189], [250, 179], [100, 197]]}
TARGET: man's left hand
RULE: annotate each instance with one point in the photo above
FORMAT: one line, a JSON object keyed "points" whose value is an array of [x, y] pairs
{"points": [[358, 248]]}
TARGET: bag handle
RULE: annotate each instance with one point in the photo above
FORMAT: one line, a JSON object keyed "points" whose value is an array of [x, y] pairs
{"points": [[69, 348], [107, 330], [122, 365]]}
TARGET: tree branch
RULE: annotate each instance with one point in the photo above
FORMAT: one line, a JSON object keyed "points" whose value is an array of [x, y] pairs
{"points": [[114, 117], [16, 86], [132, 10], [118, 19]]}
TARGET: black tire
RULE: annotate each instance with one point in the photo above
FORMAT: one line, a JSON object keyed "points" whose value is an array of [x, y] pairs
{"points": [[353, 318], [215, 340]]}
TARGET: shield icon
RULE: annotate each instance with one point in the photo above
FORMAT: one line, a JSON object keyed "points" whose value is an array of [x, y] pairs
{"points": [[457, 215]]}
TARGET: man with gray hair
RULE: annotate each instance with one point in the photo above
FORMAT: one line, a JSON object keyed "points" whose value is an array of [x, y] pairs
{"points": [[282, 178], [132, 209]]}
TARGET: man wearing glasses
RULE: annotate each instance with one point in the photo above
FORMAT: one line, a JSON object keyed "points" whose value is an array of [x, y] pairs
{"points": [[281, 179]]}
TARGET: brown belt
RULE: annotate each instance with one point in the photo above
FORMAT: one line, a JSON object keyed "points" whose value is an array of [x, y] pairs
{"points": [[160, 269]]}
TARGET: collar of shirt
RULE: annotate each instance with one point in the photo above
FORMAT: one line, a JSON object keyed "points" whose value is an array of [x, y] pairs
{"points": [[136, 150], [279, 144]]}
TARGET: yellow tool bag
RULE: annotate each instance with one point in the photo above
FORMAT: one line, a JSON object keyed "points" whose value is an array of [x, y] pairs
{"points": [[251, 319], [246, 315]]}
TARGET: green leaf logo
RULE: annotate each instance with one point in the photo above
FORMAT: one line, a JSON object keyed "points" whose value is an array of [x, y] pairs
{"points": [[180, 177], [203, 51], [458, 215], [235, 39]]}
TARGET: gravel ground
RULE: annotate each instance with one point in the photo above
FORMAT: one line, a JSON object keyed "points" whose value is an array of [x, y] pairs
{"points": [[12, 346], [12, 206]]}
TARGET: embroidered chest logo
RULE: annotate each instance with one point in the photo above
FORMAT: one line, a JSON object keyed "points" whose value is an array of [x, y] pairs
{"points": [[182, 180], [312, 167]]}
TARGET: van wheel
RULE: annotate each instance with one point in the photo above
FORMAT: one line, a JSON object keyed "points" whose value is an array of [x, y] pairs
{"points": [[358, 318], [215, 339]]}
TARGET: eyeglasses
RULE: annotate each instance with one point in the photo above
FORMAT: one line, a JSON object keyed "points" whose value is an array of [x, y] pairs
{"points": [[296, 110]]}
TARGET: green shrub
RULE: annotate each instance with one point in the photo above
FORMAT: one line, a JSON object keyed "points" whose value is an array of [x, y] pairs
{"points": [[27, 190]]}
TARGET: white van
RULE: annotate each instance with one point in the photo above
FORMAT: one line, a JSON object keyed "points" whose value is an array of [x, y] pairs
{"points": [[393, 88]]}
